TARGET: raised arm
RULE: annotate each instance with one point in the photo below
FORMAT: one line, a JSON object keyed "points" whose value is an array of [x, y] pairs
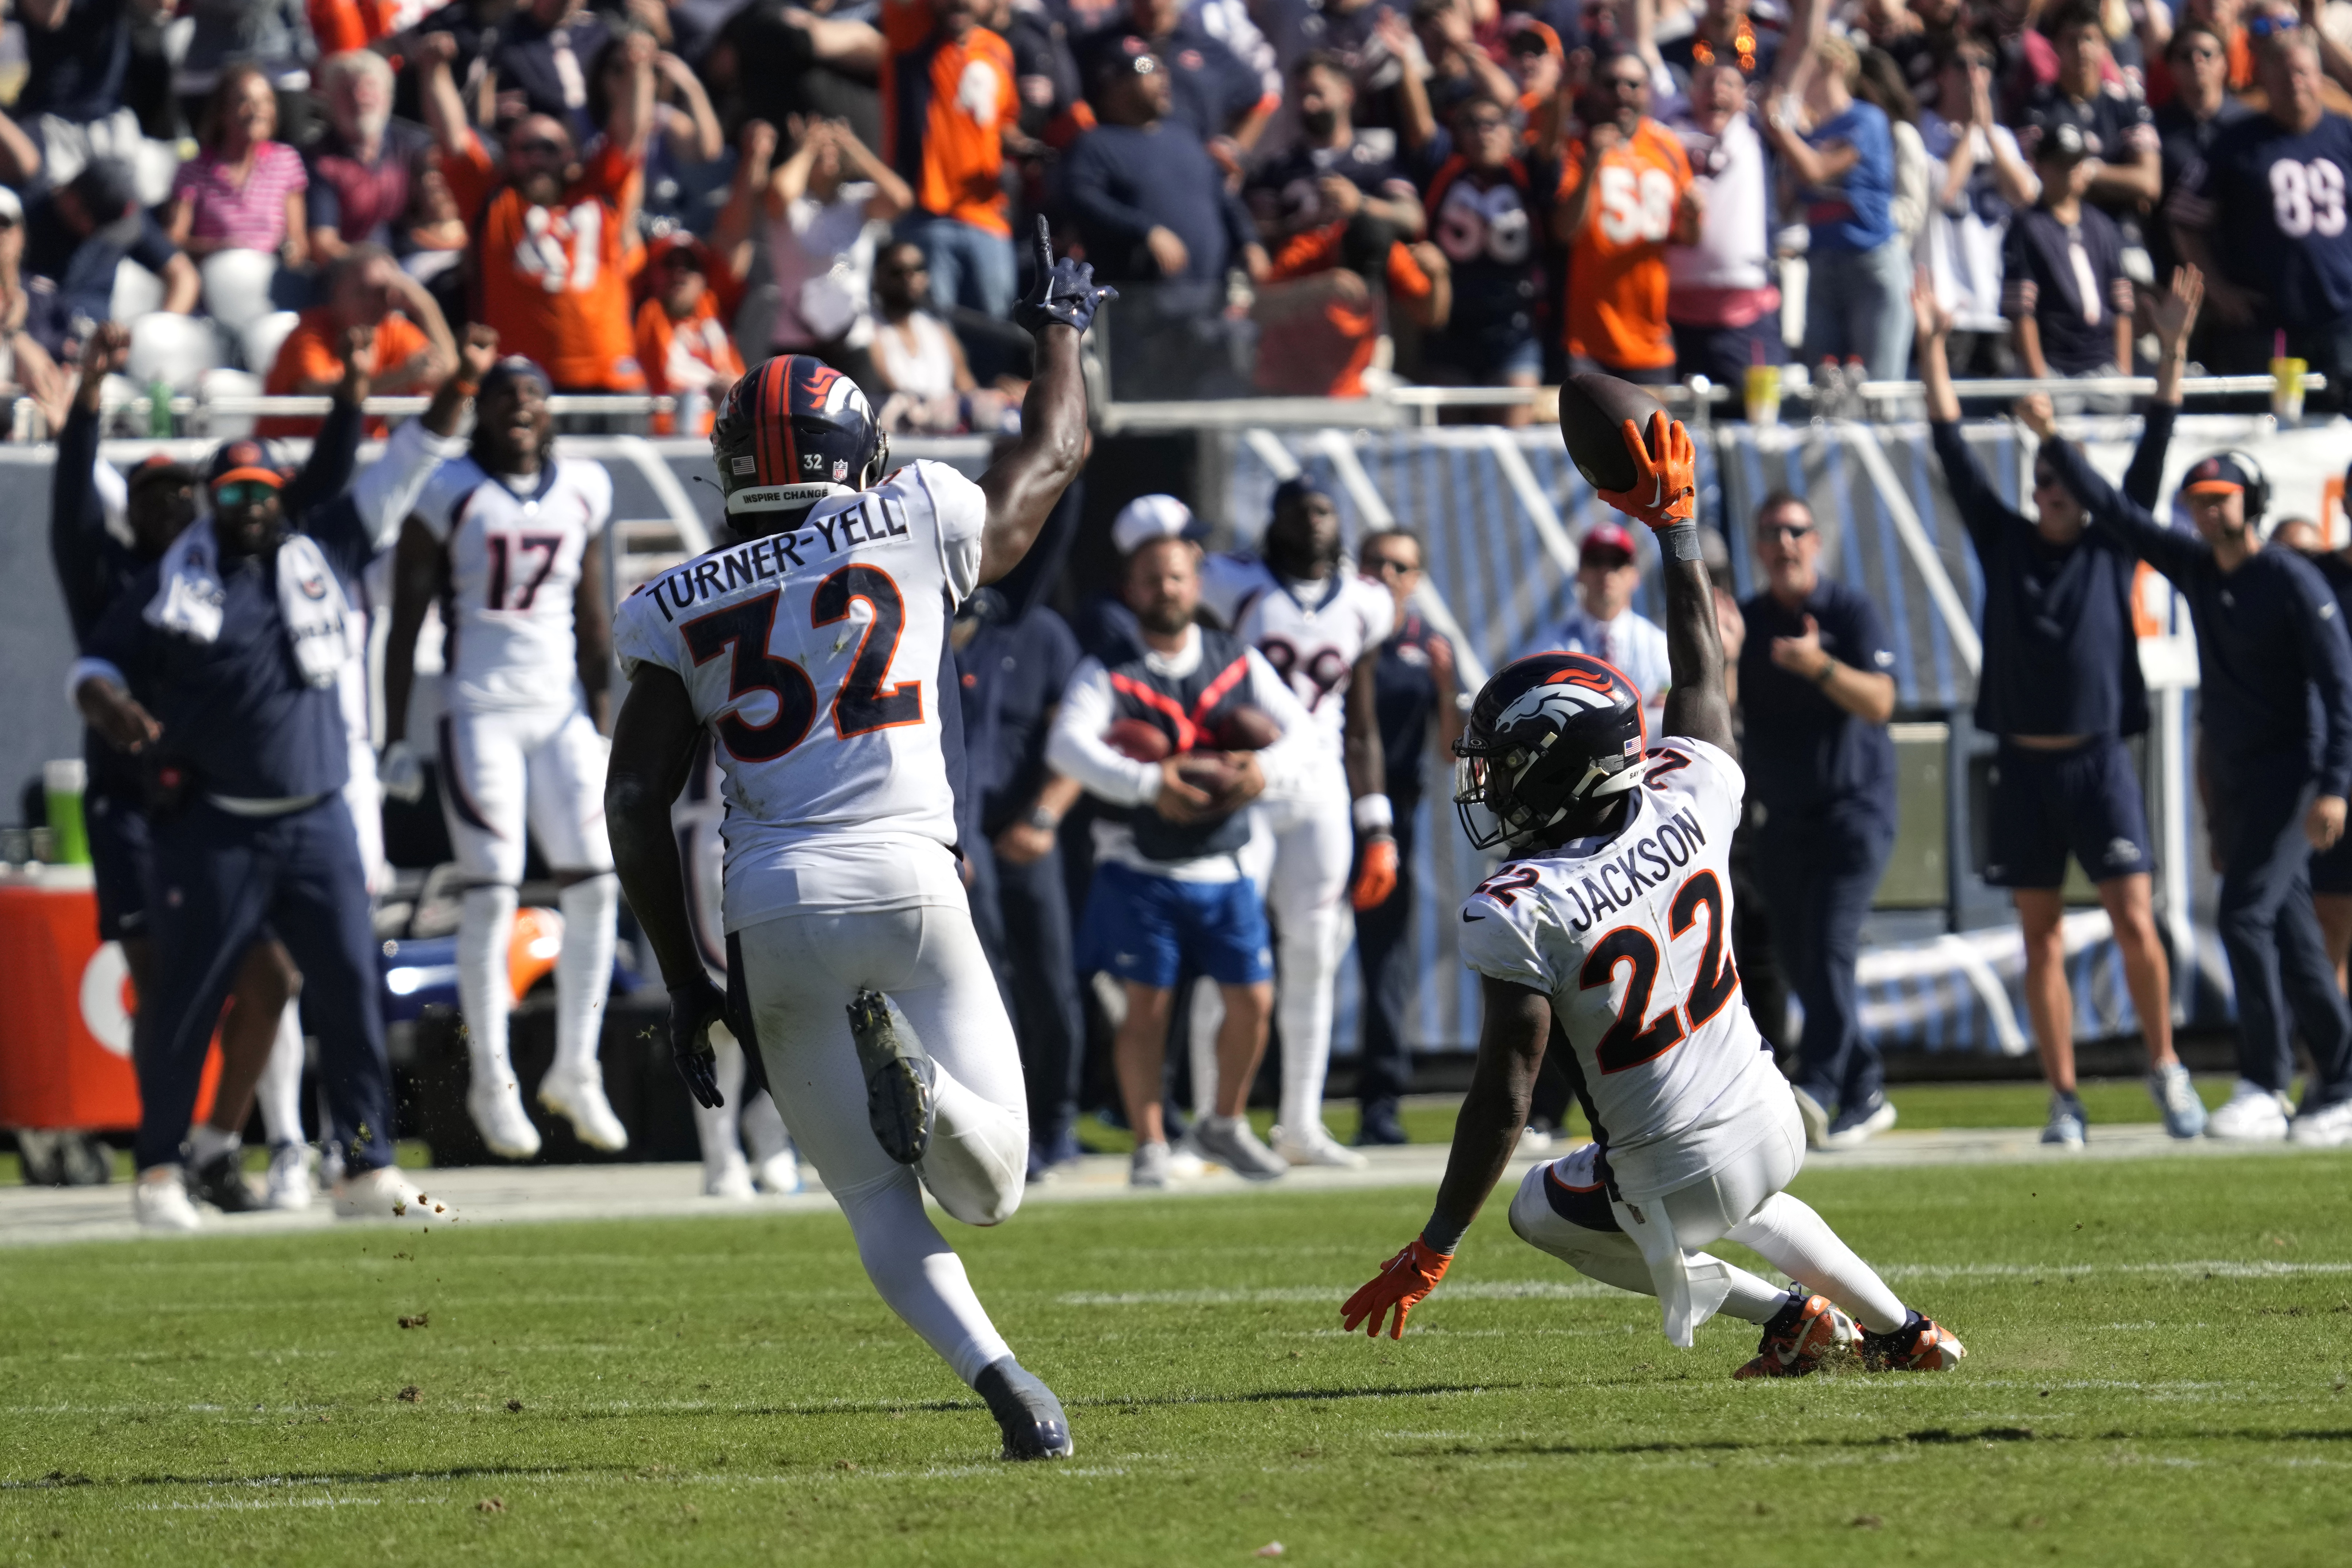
{"points": [[77, 520], [1981, 511], [2174, 315], [1664, 498], [335, 450], [1022, 485]]}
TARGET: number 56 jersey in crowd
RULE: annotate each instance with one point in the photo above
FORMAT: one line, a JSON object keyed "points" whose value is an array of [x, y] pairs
{"points": [[512, 550], [1631, 938], [816, 658]]}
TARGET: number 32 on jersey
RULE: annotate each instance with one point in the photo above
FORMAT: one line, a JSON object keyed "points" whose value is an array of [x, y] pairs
{"points": [[863, 705]]}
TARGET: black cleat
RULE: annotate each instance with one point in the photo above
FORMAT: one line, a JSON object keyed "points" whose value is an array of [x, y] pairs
{"points": [[1026, 1411], [900, 1076], [220, 1182]]}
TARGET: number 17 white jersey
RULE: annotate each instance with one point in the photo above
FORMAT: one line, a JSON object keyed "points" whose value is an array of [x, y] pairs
{"points": [[815, 655], [513, 561], [1631, 938]]}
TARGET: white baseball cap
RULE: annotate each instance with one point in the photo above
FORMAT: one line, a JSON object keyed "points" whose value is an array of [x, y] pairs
{"points": [[1149, 517], [12, 207]]}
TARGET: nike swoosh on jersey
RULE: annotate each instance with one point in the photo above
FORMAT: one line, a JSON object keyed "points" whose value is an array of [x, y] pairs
{"points": [[1467, 917]]}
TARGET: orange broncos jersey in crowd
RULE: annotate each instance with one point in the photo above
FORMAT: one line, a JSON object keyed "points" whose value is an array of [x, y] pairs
{"points": [[956, 98], [1617, 269], [555, 282]]}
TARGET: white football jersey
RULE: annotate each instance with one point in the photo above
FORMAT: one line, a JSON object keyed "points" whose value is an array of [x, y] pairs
{"points": [[1312, 638], [1631, 938], [816, 658], [513, 566]]}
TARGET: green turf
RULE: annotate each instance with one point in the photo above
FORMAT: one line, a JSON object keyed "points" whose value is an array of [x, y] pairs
{"points": [[2159, 1374]]}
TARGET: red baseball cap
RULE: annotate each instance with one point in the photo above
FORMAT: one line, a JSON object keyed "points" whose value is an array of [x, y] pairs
{"points": [[1605, 536]]}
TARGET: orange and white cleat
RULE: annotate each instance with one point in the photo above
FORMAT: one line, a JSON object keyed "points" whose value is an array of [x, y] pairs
{"points": [[1920, 1345], [1798, 1337]]}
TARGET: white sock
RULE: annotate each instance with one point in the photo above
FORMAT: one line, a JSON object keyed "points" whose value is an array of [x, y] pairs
{"points": [[719, 1131], [918, 1275], [764, 1130], [583, 970], [207, 1144], [1310, 949], [1786, 1233], [1208, 1021], [280, 1092], [485, 986]]}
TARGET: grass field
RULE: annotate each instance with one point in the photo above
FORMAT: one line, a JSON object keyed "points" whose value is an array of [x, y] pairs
{"points": [[2159, 1374]]}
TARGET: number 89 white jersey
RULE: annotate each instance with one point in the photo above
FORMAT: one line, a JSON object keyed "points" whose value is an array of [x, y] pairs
{"points": [[513, 559], [816, 656], [1631, 938]]}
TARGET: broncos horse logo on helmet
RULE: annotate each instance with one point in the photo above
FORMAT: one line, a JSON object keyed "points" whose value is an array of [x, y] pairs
{"points": [[1551, 737], [792, 433]]}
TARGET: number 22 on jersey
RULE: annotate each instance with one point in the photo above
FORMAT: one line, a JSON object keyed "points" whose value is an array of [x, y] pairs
{"points": [[862, 705]]}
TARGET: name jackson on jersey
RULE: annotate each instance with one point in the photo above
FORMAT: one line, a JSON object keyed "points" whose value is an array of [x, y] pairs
{"points": [[1615, 886]]}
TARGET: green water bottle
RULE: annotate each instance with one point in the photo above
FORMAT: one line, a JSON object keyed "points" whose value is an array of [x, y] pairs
{"points": [[64, 782], [159, 409]]}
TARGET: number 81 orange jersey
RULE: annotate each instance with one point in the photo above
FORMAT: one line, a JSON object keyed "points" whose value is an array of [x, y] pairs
{"points": [[816, 658], [1629, 936]]}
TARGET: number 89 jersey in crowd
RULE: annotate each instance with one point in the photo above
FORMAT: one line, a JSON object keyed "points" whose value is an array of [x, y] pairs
{"points": [[816, 655], [1312, 632], [1631, 938], [513, 569]]}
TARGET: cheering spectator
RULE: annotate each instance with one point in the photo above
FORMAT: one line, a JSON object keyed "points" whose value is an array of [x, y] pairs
{"points": [[1334, 171], [542, 59], [1209, 89], [1625, 193], [1152, 208], [1459, 69], [1721, 302], [686, 161], [682, 341], [1880, 83], [1323, 312], [28, 369], [2273, 184], [826, 205], [366, 292], [1486, 208], [774, 59], [1857, 268], [2064, 290], [949, 106], [76, 238], [1908, 39], [1728, 32], [363, 169], [242, 193], [76, 55], [918, 363], [549, 225], [2200, 109], [472, 27], [2127, 170], [1977, 178]]}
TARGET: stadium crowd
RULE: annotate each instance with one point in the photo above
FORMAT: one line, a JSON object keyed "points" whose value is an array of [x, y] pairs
{"points": [[1293, 197]]}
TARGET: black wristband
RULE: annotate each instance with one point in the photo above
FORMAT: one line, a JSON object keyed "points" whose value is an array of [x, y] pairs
{"points": [[1442, 1235]]}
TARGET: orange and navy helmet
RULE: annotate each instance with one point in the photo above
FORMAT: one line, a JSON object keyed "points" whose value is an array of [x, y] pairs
{"points": [[246, 458], [1550, 737], [792, 433]]}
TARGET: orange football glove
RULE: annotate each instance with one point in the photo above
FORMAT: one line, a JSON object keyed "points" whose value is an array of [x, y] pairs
{"points": [[1377, 878], [1402, 1283], [1665, 491]]}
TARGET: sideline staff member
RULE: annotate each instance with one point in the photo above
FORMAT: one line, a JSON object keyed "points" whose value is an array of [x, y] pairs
{"points": [[1814, 683], [2268, 635]]}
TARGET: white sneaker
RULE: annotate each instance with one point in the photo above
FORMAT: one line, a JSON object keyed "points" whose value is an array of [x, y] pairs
{"points": [[1314, 1145], [2067, 1125], [1816, 1116], [1851, 1131], [159, 1200], [1148, 1167], [579, 1099], [779, 1174], [384, 1193], [729, 1179], [2176, 1093], [1535, 1138], [498, 1114], [2254, 1115], [289, 1185], [1229, 1140], [1184, 1162], [2330, 1128]]}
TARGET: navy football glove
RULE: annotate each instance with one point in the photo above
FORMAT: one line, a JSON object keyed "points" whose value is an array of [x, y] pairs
{"points": [[693, 1008], [1064, 294]]}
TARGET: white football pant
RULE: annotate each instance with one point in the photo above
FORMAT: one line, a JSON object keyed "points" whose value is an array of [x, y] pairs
{"points": [[278, 1091], [801, 973], [1741, 1201], [1298, 854], [501, 772]]}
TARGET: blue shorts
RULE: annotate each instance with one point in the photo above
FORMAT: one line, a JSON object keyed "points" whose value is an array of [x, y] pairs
{"points": [[2045, 803], [120, 856], [2331, 872], [1146, 929]]}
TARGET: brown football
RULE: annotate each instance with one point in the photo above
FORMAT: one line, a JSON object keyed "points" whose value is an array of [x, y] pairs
{"points": [[1593, 409], [1136, 738], [1246, 727], [1208, 772]]}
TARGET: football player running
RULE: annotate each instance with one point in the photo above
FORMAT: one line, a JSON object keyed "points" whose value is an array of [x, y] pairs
{"points": [[1302, 605], [509, 534], [1605, 936], [813, 649]]}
